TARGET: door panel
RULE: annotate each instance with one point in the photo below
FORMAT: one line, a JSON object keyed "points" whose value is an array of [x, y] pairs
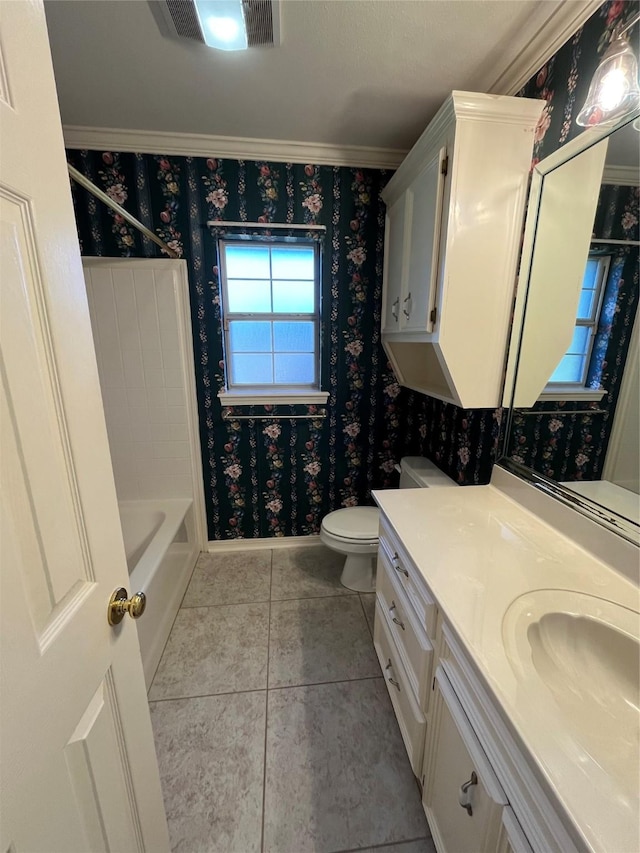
{"points": [[426, 193], [78, 769], [395, 264]]}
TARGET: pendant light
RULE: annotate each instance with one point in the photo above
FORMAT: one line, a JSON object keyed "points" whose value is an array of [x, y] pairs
{"points": [[614, 90]]}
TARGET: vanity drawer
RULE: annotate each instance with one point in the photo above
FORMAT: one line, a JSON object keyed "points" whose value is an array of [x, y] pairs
{"points": [[409, 577], [410, 718], [407, 632]]}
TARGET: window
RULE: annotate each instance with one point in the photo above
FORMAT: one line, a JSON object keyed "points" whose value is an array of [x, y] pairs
{"points": [[271, 319], [570, 376]]}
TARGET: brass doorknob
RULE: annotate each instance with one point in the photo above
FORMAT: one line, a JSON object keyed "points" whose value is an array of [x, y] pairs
{"points": [[119, 604]]}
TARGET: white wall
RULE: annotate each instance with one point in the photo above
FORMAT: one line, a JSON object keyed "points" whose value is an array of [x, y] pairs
{"points": [[136, 325]]}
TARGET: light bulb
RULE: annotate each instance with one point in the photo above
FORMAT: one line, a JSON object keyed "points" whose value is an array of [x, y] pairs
{"points": [[613, 88], [225, 29]]}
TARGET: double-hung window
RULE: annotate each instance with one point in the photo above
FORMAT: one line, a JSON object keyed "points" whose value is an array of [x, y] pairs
{"points": [[570, 376], [271, 320]]}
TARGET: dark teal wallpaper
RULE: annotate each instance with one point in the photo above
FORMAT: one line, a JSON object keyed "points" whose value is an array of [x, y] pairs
{"points": [[268, 477], [465, 443]]}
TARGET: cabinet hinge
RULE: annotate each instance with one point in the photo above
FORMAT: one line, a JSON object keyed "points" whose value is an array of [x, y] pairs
{"points": [[225, 324], [433, 315], [444, 168]]}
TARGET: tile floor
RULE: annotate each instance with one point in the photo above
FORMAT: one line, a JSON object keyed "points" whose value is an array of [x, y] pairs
{"points": [[273, 727]]}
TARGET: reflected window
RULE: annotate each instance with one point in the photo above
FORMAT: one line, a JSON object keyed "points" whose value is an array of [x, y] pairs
{"points": [[573, 368], [271, 310]]}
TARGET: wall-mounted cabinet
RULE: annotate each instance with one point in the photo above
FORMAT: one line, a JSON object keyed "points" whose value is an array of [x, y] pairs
{"points": [[454, 220]]}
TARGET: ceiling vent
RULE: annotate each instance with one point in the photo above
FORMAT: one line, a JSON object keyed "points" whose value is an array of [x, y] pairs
{"points": [[262, 20]]}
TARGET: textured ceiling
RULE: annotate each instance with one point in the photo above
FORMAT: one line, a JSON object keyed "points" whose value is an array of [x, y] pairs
{"points": [[348, 72]]}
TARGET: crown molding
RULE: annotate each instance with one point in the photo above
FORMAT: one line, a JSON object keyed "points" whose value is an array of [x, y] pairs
{"points": [[551, 25], [232, 147], [622, 176]]}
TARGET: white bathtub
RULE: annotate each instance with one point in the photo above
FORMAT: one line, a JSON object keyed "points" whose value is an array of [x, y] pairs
{"points": [[159, 541]]}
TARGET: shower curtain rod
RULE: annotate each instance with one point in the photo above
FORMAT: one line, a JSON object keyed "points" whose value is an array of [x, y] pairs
{"points": [[79, 178]]}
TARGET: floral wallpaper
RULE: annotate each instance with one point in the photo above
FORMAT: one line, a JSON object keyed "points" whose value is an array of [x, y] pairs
{"points": [[268, 476], [466, 443]]}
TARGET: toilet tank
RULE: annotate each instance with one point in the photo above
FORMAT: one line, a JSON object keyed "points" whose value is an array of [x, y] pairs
{"points": [[416, 472]]}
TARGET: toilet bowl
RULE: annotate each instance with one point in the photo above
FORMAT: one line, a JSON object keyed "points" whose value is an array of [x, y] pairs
{"points": [[354, 531]]}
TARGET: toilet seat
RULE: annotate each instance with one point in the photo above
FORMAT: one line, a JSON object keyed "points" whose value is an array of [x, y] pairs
{"points": [[357, 524]]}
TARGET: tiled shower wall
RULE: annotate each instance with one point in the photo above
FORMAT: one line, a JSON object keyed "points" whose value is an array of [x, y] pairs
{"points": [[135, 321]]}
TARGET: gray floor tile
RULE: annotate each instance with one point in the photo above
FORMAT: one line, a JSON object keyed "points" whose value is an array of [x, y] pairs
{"points": [[230, 578], [369, 602], [214, 650], [423, 845], [338, 776], [319, 639], [307, 572], [211, 758]]}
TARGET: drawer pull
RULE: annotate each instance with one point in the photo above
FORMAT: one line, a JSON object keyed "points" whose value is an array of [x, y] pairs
{"points": [[398, 567], [394, 618], [464, 797], [389, 678], [394, 309]]}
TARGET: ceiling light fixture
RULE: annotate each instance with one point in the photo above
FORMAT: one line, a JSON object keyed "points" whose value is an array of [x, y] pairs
{"points": [[614, 90], [223, 25]]}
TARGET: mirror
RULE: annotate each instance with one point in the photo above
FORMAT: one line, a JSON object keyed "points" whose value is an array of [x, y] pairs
{"points": [[573, 373]]}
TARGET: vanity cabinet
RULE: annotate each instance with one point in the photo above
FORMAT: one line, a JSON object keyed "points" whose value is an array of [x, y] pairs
{"points": [[479, 792], [454, 219], [462, 797]]}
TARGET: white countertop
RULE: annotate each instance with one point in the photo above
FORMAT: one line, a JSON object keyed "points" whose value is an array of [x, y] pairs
{"points": [[478, 550]]}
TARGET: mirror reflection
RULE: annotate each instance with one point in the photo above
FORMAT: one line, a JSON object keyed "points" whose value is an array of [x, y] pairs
{"points": [[575, 398]]}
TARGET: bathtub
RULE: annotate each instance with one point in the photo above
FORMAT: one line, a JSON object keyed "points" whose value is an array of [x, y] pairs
{"points": [[161, 549]]}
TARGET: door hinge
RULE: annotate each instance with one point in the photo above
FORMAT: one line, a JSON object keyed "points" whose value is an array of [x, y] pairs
{"points": [[444, 166], [433, 315]]}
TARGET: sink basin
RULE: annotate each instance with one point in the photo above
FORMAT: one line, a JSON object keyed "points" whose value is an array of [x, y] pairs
{"points": [[586, 652]]}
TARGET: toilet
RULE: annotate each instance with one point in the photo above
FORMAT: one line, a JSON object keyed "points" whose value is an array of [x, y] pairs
{"points": [[354, 531]]}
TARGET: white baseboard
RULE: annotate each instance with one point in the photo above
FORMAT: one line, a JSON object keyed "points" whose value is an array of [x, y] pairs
{"points": [[213, 546]]}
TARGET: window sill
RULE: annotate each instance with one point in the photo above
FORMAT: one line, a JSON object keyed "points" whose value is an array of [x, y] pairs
{"points": [[273, 398], [560, 393]]}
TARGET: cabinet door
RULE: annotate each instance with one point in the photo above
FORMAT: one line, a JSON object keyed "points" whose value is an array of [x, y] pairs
{"points": [[396, 243], [418, 305], [463, 799], [512, 838]]}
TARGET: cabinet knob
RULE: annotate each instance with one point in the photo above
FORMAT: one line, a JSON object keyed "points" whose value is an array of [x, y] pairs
{"points": [[404, 310], [395, 618], [396, 565], [464, 796], [390, 679]]}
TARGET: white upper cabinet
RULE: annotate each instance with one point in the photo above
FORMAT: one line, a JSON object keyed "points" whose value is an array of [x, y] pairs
{"points": [[454, 220]]}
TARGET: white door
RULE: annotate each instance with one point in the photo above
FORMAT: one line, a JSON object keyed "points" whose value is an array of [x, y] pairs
{"points": [[425, 194], [395, 247], [78, 769]]}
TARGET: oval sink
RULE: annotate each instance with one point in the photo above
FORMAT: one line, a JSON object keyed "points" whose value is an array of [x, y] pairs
{"points": [[586, 651]]}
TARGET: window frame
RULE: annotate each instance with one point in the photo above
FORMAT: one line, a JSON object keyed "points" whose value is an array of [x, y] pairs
{"points": [[558, 391], [256, 394]]}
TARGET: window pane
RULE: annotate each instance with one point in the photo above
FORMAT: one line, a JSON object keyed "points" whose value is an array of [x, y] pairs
{"points": [[249, 336], [251, 369], [294, 337], [248, 297], [580, 341], [591, 272], [247, 261], [569, 369], [295, 369], [293, 297], [296, 262], [586, 306]]}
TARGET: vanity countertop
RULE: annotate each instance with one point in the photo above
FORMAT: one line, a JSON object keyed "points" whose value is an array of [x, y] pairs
{"points": [[479, 551]]}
